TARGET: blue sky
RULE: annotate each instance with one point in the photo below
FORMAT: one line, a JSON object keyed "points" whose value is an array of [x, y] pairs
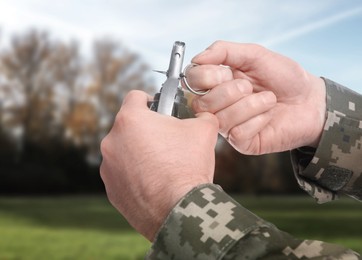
{"points": [[324, 36]]}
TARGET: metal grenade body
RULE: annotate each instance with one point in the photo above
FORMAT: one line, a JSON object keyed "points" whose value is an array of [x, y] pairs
{"points": [[180, 108]]}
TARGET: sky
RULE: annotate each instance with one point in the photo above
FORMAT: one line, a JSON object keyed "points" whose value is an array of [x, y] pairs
{"points": [[324, 36]]}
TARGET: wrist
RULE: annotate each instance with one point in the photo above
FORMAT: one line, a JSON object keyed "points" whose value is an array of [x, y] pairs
{"points": [[318, 100], [166, 203]]}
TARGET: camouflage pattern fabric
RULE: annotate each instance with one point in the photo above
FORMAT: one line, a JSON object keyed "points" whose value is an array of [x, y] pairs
{"points": [[208, 224], [335, 166]]}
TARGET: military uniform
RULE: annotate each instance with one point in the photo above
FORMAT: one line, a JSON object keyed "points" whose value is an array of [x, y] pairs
{"points": [[209, 224], [334, 167]]}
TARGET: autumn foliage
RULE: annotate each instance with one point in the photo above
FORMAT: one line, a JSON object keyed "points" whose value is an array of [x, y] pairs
{"points": [[55, 107]]}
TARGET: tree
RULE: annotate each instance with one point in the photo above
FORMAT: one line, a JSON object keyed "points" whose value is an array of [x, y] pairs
{"points": [[112, 72], [22, 66], [270, 173], [56, 105]]}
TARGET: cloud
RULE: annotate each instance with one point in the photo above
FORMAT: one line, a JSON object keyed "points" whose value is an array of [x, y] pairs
{"points": [[311, 27]]}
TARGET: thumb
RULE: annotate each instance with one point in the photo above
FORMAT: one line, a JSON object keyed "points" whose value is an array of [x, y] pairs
{"points": [[135, 99], [209, 119], [235, 55]]}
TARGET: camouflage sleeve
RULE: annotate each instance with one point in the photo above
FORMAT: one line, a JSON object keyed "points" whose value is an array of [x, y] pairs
{"points": [[335, 167], [208, 224]]}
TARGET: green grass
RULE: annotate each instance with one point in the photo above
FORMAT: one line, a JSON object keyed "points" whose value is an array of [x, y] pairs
{"points": [[88, 227], [66, 228], [336, 222]]}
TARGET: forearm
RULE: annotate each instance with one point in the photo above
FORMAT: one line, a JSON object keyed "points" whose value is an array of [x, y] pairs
{"points": [[208, 224], [335, 166]]}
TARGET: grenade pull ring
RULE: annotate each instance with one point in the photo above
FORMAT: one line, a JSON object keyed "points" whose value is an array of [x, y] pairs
{"points": [[184, 80]]}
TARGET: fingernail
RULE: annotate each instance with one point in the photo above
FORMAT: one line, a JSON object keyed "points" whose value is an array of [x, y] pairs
{"points": [[270, 98]]}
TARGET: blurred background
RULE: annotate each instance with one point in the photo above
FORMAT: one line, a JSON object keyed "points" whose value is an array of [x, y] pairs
{"points": [[64, 70]]}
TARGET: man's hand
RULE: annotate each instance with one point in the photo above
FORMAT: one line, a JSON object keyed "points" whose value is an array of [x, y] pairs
{"points": [[150, 161], [264, 102]]}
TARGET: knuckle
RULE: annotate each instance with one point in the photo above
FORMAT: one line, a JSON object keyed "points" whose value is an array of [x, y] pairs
{"points": [[128, 96], [133, 93], [244, 86], [261, 101], [268, 98], [120, 119], [228, 93], [235, 135], [225, 73], [125, 117], [217, 44], [246, 142], [252, 103], [223, 126], [211, 77], [237, 89], [201, 77], [258, 48], [104, 146]]}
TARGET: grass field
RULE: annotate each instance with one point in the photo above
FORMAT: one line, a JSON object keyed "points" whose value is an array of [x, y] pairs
{"points": [[87, 227]]}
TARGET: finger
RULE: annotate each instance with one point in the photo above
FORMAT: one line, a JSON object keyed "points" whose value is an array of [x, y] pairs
{"points": [[235, 55], [207, 76], [222, 96], [209, 118], [209, 128], [247, 137], [135, 99], [244, 109]]}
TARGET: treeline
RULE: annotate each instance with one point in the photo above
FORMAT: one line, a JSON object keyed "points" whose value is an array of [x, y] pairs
{"points": [[264, 174], [56, 105]]}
